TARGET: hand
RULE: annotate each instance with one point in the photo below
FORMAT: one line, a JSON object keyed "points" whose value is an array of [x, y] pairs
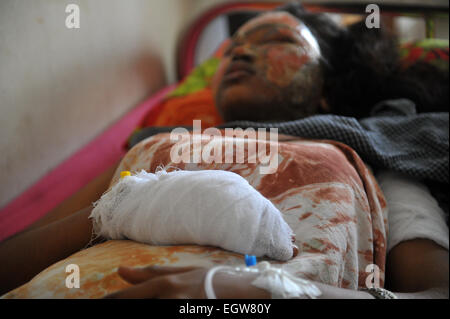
{"points": [[188, 283], [184, 283]]}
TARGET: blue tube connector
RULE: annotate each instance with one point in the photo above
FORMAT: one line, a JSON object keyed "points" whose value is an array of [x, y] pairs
{"points": [[250, 260]]}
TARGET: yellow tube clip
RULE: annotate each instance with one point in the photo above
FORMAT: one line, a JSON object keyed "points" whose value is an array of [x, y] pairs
{"points": [[124, 173]]}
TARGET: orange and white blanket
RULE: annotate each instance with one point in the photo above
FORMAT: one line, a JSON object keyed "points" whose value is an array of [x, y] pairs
{"points": [[325, 192]]}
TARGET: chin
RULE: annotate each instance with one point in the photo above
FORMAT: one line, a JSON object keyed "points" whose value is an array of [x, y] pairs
{"points": [[237, 93], [233, 97], [246, 110]]}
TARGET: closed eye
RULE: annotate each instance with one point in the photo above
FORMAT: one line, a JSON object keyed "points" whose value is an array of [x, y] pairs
{"points": [[230, 48], [276, 39], [281, 39]]}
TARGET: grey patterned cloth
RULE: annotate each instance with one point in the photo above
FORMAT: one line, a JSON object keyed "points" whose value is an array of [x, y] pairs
{"points": [[394, 138]]}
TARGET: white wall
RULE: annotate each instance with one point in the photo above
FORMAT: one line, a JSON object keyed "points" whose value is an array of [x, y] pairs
{"points": [[59, 88]]}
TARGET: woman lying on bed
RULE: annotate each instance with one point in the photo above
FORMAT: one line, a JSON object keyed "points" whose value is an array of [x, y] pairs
{"points": [[275, 70]]}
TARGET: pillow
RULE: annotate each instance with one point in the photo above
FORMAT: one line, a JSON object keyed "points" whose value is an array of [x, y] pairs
{"points": [[191, 100], [324, 191], [182, 110], [433, 51]]}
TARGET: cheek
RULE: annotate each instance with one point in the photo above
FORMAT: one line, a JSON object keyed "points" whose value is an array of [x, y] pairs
{"points": [[283, 64], [217, 78]]}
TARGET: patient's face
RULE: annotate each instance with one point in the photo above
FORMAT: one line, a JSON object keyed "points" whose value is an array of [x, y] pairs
{"points": [[270, 71]]}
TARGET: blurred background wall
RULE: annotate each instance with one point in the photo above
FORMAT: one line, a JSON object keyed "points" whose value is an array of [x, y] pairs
{"points": [[59, 87]]}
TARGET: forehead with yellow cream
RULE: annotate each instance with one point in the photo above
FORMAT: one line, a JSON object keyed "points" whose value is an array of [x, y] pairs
{"points": [[279, 19]]}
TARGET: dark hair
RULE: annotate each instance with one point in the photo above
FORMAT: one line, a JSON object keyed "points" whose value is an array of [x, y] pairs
{"points": [[362, 67]]}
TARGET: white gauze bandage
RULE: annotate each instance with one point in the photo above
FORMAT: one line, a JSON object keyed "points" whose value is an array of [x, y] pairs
{"points": [[208, 207]]}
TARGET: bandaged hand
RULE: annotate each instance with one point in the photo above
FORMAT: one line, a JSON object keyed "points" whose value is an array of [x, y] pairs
{"points": [[208, 207]]}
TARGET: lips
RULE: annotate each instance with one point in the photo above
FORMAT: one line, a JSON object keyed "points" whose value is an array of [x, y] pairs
{"points": [[238, 70]]}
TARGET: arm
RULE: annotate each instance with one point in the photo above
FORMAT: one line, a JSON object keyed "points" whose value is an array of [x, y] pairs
{"points": [[188, 282], [419, 268], [417, 260], [81, 199], [62, 232], [416, 269], [28, 253]]}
